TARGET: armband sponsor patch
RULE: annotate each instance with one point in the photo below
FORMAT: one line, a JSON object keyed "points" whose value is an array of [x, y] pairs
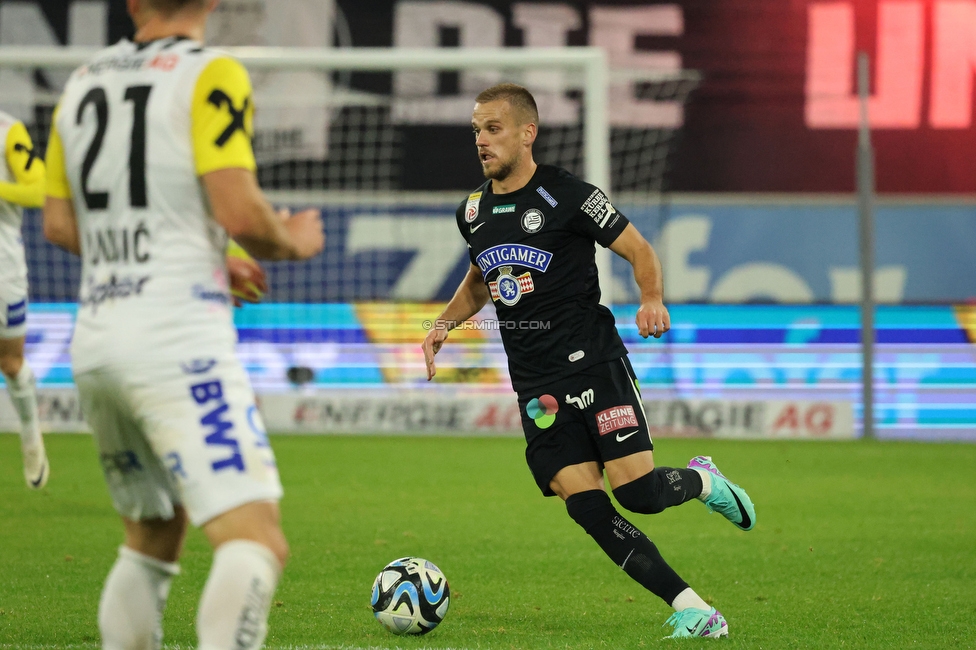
{"points": [[31, 154], [219, 98], [598, 207]]}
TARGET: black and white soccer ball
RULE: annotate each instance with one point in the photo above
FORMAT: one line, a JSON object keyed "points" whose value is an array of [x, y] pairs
{"points": [[410, 596]]}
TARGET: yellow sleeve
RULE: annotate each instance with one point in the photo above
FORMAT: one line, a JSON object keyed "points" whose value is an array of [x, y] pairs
{"points": [[57, 175], [223, 117], [27, 167]]}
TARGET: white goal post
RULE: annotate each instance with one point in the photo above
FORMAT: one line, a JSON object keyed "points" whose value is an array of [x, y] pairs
{"points": [[586, 73]]}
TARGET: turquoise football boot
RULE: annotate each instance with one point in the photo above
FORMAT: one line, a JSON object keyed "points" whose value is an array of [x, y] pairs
{"points": [[689, 623], [726, 497]]}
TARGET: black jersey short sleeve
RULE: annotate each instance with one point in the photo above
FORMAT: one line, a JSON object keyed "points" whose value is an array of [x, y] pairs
{"points": [[466, 213], [459, 217], [597, 218], [535, 250]]}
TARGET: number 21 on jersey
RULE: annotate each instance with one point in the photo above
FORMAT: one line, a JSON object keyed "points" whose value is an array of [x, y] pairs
{"points": [[95, 105]]}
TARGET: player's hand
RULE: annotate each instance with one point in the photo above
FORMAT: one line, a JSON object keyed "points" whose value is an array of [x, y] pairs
{"points": [[432, 345], [248, 282], [306, 231], [653, 319]]}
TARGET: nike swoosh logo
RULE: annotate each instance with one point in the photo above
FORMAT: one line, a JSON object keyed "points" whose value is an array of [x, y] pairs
{"points": [[40, 477], [621, 438], [473, 228], [691, 630], [746, 521]]}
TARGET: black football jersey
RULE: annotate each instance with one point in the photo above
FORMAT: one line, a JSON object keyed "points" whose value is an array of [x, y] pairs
{"points": [[535, 250]]}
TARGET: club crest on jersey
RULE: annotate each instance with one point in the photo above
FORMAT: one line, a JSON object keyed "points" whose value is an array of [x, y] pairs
{"points": [[533, 220], [509, 289], [471, 208], [514, 255]]}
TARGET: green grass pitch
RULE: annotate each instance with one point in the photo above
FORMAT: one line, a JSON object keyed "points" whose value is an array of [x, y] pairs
{"points": [[858, 545]]}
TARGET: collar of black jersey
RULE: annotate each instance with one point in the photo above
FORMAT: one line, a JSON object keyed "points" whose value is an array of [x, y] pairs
{"points": [[540, 172]]}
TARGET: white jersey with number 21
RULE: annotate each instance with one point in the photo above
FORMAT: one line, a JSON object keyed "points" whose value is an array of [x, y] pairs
{"points": [[135, 129]]}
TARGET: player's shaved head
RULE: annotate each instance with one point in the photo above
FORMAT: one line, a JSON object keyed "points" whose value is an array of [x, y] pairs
{"points": [[521, 100]]}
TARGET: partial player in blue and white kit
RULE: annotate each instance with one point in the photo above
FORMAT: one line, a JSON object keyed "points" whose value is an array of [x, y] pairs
{"points": [[150, 168], [21, 186]]}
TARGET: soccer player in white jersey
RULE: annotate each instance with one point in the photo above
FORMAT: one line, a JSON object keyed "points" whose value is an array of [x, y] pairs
{"points": [[21, 186], [150, 168]]}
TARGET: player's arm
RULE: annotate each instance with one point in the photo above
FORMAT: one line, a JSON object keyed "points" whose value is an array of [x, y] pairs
{"points": [[652, 315], [470, 297], [222, 125], [27, 188], [60, 221]]}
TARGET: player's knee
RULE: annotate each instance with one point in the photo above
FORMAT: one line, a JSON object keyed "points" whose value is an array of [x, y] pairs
{"points": [[161, 539], [279, 546], [10, 363], [590, 508], [272, 539], [644, 495]]}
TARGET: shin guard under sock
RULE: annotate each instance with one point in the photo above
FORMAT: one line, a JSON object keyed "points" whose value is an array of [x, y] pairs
{"points": [[628, 547]]}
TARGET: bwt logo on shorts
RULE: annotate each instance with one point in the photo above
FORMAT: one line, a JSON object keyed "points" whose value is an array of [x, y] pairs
{"points": [[618, 417], [215, 426]]}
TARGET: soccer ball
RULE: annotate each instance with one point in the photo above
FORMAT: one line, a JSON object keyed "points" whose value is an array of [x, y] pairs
{"points": [[410, 596]]}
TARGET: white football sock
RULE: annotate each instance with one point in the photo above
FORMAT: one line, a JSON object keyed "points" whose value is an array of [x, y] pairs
{"points": [[689, 599], [130, 613], [236, 599], [706, 478], [23, 394]]}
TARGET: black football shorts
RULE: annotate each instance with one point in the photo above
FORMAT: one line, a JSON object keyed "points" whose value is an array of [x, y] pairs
{"points": [[594, 415]]}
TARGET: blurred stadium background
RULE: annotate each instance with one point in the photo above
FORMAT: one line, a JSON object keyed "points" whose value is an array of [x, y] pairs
{"points": [[731, 133]]}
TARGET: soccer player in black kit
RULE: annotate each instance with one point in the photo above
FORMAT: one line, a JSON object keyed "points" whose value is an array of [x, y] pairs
{"points": [[530, 231]]}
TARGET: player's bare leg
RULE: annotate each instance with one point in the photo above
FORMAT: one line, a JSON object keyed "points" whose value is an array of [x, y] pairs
{"points": [[130, 612], [581, 487], [250, 553], [23, 393]]}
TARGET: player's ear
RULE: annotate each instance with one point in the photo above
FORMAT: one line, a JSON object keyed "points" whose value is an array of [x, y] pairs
{"points": [[133, 6], [529, 133]]}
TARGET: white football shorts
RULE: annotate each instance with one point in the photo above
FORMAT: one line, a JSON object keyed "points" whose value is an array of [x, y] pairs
{"points": [[179, 433], [13, 307]]}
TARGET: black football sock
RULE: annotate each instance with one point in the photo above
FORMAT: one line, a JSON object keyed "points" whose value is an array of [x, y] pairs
{"points": [[628, 547], [662, 488]]}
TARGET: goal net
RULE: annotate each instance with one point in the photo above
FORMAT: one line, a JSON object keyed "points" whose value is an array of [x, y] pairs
{"points": [[380, 141], [385, 133]]}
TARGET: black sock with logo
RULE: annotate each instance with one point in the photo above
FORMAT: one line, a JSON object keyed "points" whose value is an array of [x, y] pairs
{"points": [[628, 547], [659, 489]]}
